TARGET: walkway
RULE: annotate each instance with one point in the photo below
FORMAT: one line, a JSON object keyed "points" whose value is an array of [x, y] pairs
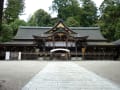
{"points": [[68, 76]]}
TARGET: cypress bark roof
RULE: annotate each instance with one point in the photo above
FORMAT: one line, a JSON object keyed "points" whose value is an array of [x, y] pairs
{"points": [[27, 32], [117, 42]]}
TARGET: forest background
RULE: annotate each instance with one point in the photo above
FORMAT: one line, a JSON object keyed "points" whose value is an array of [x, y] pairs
{"points": [[74, 13]]}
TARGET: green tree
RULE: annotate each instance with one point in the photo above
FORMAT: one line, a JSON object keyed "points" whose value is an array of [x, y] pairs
{"points": [[117, 30], [13, 10], [66, 8], [15, 25], [6, 33], [89, 13], [53, 21], [71, 22], [85, 12], [110, 19], [40, 18]]}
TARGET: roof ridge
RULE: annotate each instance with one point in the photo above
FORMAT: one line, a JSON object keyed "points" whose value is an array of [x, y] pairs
{"points": [[38, 27], [35, 27]]}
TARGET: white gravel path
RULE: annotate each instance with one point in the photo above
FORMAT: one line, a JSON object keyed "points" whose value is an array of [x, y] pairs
{"points": [[68, 76]]}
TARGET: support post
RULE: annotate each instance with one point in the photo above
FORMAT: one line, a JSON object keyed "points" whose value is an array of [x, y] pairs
{"points": [[53, 42], [44, 52], [76, 49], [83, 53], [67, 42]]}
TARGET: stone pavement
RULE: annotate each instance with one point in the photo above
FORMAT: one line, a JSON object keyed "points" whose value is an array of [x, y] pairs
{"points": [[68, 76]]}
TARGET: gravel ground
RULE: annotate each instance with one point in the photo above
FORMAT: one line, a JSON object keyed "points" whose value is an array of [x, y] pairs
{"points": [[15, 74], [107, 69]]}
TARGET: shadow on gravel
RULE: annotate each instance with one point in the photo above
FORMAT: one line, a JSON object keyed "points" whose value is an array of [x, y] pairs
{"points": [[2, 85]]}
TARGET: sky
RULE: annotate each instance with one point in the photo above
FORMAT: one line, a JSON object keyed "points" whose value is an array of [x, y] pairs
{"points": [[32, 5]]}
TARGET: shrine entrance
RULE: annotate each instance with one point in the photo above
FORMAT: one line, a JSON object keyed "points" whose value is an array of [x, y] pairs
{"points": [[60, 54]]}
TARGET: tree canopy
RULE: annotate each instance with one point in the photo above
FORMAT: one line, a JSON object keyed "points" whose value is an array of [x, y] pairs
{"points": [[13, 10], [10, 18], [72, 12], [66, 8], [110, 19], [40, 18], [7, 33], [71, 22], [89, 13], [85, 12]]}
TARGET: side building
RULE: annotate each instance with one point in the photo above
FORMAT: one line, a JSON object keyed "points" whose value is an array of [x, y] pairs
{"points": [[59, 42]]}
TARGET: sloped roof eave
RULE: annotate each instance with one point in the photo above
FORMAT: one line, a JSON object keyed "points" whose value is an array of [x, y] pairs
{"points": [[28, 32]]}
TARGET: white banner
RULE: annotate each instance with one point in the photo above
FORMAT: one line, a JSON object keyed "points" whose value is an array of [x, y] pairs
{"points": [[7, 55]]}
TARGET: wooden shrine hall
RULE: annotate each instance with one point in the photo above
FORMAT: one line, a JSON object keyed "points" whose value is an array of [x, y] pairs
{"points": [[59, 42]]}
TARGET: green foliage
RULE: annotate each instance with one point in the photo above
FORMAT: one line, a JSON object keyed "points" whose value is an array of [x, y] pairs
{"points": [[117, 30], [11, 19], [71, 22], [53, 21], [40, 18], [66, 8], [15, 25], [6, 33], [110, 19], [72, 12], [13, 10], [89, 13], [85, 14]]}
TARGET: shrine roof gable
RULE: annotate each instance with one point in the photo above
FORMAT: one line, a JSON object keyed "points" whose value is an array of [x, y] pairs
{"points": [[60, 27]]}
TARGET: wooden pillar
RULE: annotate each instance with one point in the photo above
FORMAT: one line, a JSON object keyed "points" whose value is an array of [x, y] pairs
{"points": [[67, 42], [51, 56], [44, 49], [69, 57], [24, 53], [83, 52], [53, 42], [76, 49]]}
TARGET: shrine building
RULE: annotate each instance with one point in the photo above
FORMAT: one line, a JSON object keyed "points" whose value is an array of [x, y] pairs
{"points": [[59, 42]]}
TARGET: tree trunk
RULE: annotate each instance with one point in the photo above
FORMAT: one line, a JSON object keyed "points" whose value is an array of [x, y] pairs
{"points": [[1, 11]]}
